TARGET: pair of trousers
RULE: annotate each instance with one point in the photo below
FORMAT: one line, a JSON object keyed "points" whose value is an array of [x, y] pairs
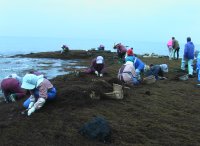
{"points": [[189, 63], [51, 96]]}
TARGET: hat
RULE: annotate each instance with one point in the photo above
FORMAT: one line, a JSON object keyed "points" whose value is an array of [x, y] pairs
{"points": [[130, 52], [31, 81], [99, 60], [164, 67]]}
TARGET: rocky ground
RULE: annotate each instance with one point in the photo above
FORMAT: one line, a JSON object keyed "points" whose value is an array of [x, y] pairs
{"points": [[164, 113]]}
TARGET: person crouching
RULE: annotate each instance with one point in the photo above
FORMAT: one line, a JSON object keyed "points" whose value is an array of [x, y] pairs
{"points": [[127, 74], [158, 71], [40, 89], [97, 66], [11, 89]]}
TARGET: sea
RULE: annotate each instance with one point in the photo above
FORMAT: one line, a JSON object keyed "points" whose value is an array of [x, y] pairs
{"points": [[23, 45]]}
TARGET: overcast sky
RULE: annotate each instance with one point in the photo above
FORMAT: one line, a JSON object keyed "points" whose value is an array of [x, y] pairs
{"points": [[139, 20]]}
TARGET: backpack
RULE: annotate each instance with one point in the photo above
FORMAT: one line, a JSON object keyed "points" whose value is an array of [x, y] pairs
{"points": [[97, 128]]}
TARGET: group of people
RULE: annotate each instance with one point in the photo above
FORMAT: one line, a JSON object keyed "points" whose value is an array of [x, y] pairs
{"points": [[33, 84], [188, 56], [40, 89], [131, 70], [173, 47], [133, 67]]}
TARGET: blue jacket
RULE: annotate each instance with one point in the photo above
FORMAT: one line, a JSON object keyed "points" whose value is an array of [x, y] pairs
{"points": [[137, 62], [189, 50]]}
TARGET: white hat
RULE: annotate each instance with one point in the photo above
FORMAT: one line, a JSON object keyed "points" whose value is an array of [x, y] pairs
{"points": [[164, 67], [31, 81], [99, 60]]}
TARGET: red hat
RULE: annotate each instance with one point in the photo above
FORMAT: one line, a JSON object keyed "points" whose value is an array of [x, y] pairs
{"points": [[130, 52]]}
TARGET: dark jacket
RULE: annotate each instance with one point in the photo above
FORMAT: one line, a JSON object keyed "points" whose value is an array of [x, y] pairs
{"points": [[156, 71], [98, 67], [175, 45]]}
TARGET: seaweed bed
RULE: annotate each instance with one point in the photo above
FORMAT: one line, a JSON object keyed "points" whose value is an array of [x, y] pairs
{"points": [[164, 113]]}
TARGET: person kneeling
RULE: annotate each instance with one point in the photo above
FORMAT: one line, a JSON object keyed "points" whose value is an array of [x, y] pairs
{"points": [[97, 66], [158, 71], [127, 74], [40, 89]]}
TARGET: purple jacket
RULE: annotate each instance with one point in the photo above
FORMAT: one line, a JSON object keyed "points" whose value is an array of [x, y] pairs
{"points": [[12, 86], [121, 48], [98, 67], [189, 50]]}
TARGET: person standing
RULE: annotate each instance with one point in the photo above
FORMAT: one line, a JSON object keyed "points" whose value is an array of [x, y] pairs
{"points": [[197, 55], [176, 48], [188, 57], [170, 49]]}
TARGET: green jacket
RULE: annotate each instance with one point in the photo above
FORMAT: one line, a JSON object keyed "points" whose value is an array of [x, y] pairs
{"points": [[175, 45]]}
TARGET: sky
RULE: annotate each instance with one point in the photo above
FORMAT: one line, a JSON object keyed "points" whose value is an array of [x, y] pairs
{"points": [[139, 20]]}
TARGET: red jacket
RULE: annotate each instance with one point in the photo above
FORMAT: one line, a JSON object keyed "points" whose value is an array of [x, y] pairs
{"points": [[12, 86]]}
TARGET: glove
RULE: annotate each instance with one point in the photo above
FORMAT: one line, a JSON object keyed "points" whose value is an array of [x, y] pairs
{"points": [[30, 105], [30, 111], [96, 72], [101, 75]]}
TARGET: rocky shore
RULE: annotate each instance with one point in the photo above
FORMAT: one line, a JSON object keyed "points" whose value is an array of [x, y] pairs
{"points": [[164, 113]]}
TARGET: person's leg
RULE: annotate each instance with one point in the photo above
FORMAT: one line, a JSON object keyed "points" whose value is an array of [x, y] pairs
{"points": [[177, 54], [190, 66], [170, 53], [183, 64], [174, 52], [51, 94], [26, 103]]}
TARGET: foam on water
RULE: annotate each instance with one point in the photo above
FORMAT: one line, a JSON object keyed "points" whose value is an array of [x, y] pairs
{"points": [[50, 67]]}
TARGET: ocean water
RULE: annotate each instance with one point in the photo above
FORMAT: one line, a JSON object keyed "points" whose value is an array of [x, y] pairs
{"points": [[49, 67], [23, 45]]}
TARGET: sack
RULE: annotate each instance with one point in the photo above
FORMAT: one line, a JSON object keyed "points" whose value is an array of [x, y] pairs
{"points": [[183, 78], [98, 128], [150, 79]]}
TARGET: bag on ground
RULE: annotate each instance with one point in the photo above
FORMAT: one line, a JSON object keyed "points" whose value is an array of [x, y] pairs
{"points": [[97, 128]]}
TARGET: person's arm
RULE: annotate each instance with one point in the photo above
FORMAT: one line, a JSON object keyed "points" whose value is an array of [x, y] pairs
{"points": [[41, 100], [185, 51]]}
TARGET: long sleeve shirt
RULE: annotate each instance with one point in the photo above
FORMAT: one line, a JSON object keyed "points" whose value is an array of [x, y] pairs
{"points": [[189, 50], [12, 86]]}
